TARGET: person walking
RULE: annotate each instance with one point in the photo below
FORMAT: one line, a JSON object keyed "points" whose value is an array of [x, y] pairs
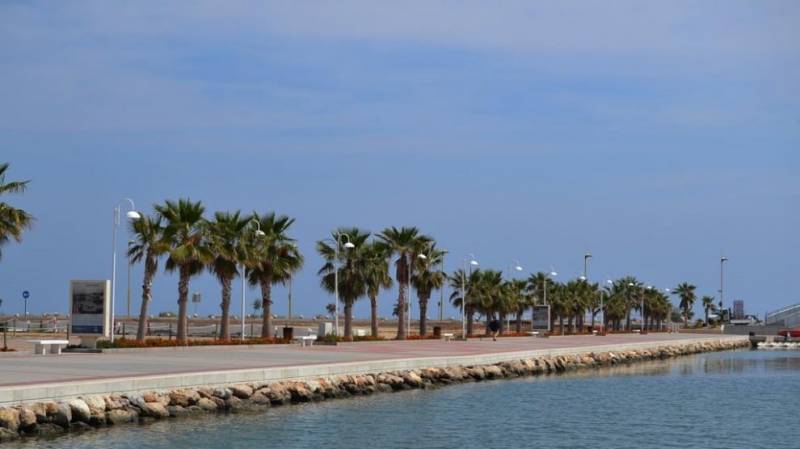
{"points": [[494, 328]]}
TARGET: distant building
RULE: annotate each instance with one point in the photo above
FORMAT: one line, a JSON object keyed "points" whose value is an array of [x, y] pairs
{"points": [[788, 316], [738, 309]]}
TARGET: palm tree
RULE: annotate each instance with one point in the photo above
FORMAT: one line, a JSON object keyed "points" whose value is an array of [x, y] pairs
{"points": [[406, 243], [685, 291], [185, 234], [487, 295], [458, 280], [226, 239], [708, 306], [427, 277], [148, 245], [516, 289], [273, 258], [13, 221], [375, 271], [349, 267]]}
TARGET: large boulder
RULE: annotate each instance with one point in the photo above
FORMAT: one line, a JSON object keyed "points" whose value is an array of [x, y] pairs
{"points": [[96, 403], [7, 435], [492, 372], [260, 398], [241, 391], [114, 402], [154, 410], [59, 413], [277, 393], [80, 410], [40, 410], [27, 418], [121, 416], [412, 379], [183, 398], [207, 404], [9, 419], [300, 392]]}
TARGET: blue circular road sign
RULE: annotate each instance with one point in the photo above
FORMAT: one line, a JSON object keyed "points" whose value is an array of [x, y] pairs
{"points": [[26, 294]]}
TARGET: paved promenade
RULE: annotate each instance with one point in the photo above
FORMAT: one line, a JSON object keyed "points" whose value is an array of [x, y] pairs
{"points": [[29, 377]]}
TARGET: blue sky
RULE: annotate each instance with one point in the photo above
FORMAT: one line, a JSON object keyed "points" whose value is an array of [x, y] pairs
{"points": [[656, 136]]}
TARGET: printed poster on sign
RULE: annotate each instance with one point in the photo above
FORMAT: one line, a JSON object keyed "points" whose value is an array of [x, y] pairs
{"points": [[90, 308]]}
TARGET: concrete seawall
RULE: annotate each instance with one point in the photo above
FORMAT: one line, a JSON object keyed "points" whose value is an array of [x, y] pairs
{"points": [[46, 409]]}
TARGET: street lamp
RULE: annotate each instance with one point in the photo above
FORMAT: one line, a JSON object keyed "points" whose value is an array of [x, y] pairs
{"points": [[441, 290], [722, 261], [602, 304], [515, 266], [258, 233], [420, 256], [546, 276], [347, 245], [131, 215], [586, 258], [649, 287], [472, 263]]}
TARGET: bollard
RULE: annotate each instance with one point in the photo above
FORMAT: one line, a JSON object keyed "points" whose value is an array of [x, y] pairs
{"points": [[170, 331]]}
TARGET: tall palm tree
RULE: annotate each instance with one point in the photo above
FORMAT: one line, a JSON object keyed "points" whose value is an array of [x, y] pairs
{"points": [[375, 270], [227, 241], [272, 259], [13, 221], [427, 277], [350, 269], [148, 246], [406, 243], [685, 291], [185, 233], [517, 290], [708, 306]]}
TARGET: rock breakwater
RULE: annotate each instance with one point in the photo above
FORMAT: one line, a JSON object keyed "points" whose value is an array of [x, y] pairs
{"points": [[45, 419]]}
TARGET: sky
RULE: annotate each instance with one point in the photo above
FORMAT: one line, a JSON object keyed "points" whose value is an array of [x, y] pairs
{"points": [[659, 136]]}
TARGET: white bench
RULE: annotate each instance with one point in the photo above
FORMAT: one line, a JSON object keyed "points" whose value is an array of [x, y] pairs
{"points": [[533, 333], [447, 337], [303, 339], [43, 347]]}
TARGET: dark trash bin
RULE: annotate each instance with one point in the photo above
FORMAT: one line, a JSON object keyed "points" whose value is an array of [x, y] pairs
{"points": [[437, 331], [288, 333]]}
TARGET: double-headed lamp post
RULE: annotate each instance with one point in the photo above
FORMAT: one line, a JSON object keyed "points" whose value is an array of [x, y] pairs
{"points": [[472, 263], [649, 287], [546, 277], [722, 261], [258, 233], [132, 215]]}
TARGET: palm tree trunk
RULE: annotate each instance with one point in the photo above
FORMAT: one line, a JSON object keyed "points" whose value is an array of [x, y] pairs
{"points": [[225, 320], [518, 328], [401, 306], [592, 328], [147, 296], [423, 316], [373, 316], [470, 321], [561, 324], [266, 303], [502, 319], [348, 320], [628, 320], [183, 300]]}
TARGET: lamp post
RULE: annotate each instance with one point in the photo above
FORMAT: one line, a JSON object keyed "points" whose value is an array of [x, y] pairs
{"points": [[586, 258], [258, 233], [472, 263], [516, 267], [546, 276], [408, 284], [348, 245], [722, 261], [441, 290], [649, 287], [669, 292], [132, 215], [603, 306]]}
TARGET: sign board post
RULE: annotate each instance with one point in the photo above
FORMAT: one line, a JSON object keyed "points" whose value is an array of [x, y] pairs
{"points": [[25, 295], [541, 318], [90, 307]]}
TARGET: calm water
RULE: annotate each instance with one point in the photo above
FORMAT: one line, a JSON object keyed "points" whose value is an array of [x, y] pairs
{"points": [[723, 400]]}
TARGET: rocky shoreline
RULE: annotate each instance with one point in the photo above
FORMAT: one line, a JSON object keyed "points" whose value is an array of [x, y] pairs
{"points": [[48, 419]]}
